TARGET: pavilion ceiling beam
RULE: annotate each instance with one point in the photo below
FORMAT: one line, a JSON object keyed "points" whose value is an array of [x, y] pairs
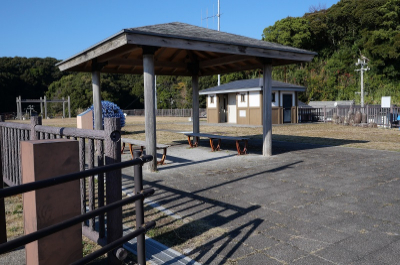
{"points": [[224, 60], [112, 55], [159, 52], [130, 62], [204, 55], [174, 55]]}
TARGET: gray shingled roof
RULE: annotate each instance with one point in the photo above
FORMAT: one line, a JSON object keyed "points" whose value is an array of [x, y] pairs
{"points": [[191, 32], [250, 84], [183, 50]]}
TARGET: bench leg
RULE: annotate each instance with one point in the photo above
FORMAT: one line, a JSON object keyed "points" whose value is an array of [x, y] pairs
{"points": [[193, 144], [123, 147], [240, 152], [162, 161], [131, 149], [212, 145]]}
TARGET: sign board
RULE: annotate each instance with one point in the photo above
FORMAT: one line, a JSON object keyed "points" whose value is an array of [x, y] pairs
{"points": [[385, 102]]}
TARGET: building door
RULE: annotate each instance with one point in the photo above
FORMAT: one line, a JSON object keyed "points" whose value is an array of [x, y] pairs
{"points": [[222, 108], [232, 108], [287, 101]]}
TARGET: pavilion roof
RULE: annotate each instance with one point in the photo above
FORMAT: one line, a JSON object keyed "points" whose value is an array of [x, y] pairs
{"points": [[182, 49]]}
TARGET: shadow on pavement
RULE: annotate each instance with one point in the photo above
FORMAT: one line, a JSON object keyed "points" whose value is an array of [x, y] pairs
{"points": [[205, 214]]}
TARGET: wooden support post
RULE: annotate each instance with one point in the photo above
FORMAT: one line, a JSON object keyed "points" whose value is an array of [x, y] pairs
{"points": [[98, 122], [35, 120], [20, 107], [69, 107], [52, 205], [45, 108], [41, 106], [18, 111], [267, 110], [3, 228], [149, 105], [195, 105], [112, 142], [63, 100], [100, 184]]}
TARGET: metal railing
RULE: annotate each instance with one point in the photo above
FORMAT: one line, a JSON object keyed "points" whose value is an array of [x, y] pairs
{"points": [[167, 112], [138, 199], [374, 113]]}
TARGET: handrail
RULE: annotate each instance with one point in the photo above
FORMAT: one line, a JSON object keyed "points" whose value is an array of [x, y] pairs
{"points": [[115, 244], [141, 194], [15, 125], [73, 132], [23, 240], [69, 177]]}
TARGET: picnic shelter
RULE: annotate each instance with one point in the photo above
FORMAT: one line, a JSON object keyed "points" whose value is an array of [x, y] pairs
{"points": [[186, 50]]}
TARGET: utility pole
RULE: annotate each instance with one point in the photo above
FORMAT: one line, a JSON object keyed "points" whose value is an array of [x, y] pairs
{"points": [[218, 15], [363, 62]]}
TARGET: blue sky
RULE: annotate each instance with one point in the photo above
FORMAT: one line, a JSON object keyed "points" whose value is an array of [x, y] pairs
{"points": [[60, 29]]}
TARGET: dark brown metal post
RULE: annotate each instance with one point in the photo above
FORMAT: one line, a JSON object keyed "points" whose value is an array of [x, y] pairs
{"points": [[138, 177], [112, 130]]}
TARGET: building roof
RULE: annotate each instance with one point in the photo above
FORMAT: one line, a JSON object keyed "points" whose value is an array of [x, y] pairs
{"points": [[182, 49], [250, 85]]}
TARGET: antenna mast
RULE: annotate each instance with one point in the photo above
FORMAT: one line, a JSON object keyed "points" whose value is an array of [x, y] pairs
{"points": [[213, 16]]}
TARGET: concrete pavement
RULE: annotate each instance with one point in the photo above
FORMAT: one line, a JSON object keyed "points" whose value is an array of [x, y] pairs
{"points": [[307, 204]]}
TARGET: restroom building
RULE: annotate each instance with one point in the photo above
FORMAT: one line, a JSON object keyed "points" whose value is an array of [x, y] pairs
{"points": [[240, 102]]}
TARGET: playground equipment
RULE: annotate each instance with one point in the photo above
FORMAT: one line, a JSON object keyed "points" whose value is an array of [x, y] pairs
{"points": [[42, 102]]}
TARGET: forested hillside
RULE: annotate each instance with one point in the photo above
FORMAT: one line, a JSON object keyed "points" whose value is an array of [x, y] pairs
{"points": [[340, 35], [29, 78], [33, 78]]}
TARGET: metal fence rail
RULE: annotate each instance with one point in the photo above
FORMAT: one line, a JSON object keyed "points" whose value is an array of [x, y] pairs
{"points": [[374, 113], [138, 199], [168, 112]]}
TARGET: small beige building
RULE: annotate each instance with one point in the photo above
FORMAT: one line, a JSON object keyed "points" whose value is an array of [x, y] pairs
{"points": [[240, 102]]}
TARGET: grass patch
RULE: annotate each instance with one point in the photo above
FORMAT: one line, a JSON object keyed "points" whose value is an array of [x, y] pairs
{"points": [[321, 133]]}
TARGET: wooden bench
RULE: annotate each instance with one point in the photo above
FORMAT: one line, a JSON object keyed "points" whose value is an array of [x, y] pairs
{"points": [[142, 145], [213, 137], [395, 124]]}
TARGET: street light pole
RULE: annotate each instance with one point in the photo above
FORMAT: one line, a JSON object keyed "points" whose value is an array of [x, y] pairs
{"points": [[363, 63]]}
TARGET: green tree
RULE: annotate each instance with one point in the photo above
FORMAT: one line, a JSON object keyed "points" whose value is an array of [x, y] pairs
{"points": [[289, 31]]}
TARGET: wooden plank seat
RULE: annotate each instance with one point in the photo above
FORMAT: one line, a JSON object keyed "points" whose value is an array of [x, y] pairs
{"points": [[395, 124], [213, 137], [142, 144]]}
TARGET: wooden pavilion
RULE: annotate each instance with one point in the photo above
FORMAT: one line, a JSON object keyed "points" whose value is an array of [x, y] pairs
{"points": [[187, 50]]}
